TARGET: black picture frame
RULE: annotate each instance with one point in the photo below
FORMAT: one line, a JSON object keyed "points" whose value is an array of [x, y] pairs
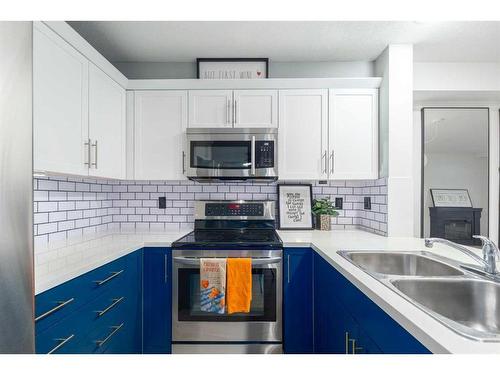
{"points": [[280, 221], [231, 59], [466, 190]]}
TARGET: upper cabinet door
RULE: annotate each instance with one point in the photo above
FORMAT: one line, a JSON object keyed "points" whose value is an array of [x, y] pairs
{"points": [[60, 104], [160, 125], [210, 108], [353, 136], [106, 125], [255, 108], [303, 133]]}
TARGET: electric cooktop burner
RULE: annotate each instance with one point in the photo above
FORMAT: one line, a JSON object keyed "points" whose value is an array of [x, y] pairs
{"points": [[232, 224]]}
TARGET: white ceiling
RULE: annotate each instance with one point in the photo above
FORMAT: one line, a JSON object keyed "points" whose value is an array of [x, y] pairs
{"points": [[162, 41], [463, 131]]}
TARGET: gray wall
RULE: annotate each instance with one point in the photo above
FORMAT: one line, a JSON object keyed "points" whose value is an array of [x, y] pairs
{"points": [[178, 70]]}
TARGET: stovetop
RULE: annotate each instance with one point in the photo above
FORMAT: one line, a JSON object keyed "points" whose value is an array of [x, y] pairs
{"points": [[230, 238]]}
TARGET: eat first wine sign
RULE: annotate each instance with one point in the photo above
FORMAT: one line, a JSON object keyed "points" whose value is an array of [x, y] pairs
{"points": [[229, 68]]}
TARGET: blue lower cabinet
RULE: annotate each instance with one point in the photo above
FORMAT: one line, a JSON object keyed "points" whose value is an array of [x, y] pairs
{"points": [[298, 301], [347, 321], [82, 330], [157, 284]]}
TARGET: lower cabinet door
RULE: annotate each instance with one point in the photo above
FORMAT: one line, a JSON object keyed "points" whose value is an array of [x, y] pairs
{"points": [[62, 338], [298, 301], [157, 284]]}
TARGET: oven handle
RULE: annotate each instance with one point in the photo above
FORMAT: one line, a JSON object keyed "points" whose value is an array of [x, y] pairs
{"points": [[255, 261]]}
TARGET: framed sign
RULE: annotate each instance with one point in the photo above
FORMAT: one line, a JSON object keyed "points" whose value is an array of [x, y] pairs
{"points": [[294, 206], [228, 68], [451, 198]]}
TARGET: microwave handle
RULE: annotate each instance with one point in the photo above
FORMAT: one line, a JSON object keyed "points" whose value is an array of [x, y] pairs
{"points": [[252, 170], [255, 262]]}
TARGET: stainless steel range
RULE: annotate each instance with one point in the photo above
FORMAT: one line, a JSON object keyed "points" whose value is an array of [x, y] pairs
{"points": [[229, 229]]}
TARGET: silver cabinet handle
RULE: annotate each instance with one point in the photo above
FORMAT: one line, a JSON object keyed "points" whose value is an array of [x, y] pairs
{"points": [[87, 152], [235, 112], [331, 162], [116, 301], [354, 347], [228, 112], [60, 305], [183, 162], [255, 261], [166, 268], [323, 162], [95, 154], [347, 343], [288, 269], [61, 344], [114, 330], [113, 275], [252, 171]]}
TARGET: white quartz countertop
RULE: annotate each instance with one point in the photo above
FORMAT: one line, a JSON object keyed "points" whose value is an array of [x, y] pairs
{"points": [[61, 262]]}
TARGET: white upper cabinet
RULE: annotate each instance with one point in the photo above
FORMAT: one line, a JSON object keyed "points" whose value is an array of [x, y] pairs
{"points": [[106, 125], [210, 108], [353, 134], [60, 104], [255, 108], [159, 127], [303, 134]]}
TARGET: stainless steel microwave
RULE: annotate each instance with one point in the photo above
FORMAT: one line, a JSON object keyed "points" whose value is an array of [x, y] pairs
{"points": [[231, 154]]}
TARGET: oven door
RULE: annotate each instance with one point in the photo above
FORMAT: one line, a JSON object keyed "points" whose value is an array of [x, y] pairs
{"points": [[261, 324], [231, 155]]}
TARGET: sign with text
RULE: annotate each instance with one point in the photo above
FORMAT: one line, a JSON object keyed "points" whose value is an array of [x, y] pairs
{"points": [[232, 68], [294, 205]]}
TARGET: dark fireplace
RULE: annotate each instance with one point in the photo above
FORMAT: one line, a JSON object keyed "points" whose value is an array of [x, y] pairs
{"points": [[457, 224]]}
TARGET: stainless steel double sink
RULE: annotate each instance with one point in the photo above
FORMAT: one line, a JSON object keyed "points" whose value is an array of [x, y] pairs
{"points": [[465, 302]]}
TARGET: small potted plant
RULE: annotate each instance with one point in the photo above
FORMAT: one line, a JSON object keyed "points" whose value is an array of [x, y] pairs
{"points": [[323, 210]]}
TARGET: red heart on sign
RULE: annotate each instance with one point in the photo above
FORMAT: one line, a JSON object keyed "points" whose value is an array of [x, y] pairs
{"points": [[259, 73]]}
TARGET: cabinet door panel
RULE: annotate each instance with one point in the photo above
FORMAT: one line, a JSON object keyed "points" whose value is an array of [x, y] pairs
{"points": [[303, 134], [160, 123], [256, 108], [60, 104], [106, 125], [353, 135], [298, 301], [210, 109]]}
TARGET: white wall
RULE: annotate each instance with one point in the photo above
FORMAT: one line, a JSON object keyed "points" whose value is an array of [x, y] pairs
{"points": [[186, 70], [457, 171], [396, 104], [457, 76]]}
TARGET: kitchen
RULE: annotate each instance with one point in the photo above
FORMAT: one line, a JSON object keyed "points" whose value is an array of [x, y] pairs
{"points": [[297, 203]]}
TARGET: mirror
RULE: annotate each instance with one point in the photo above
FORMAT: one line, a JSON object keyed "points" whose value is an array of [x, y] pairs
{"points": [[455, 178]]}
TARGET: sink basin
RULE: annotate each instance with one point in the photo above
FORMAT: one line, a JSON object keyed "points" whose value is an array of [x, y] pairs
{"points": [[400, 263], [472, 304]]}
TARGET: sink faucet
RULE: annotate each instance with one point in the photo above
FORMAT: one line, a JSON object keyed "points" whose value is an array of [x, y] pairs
{"points": [[490, 252]]}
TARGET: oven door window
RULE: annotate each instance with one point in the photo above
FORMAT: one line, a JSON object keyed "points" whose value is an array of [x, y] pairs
{"points": [[262, 309], [220, 154]]}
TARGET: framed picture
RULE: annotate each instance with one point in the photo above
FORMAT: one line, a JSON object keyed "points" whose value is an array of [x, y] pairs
{"points": [[451, 198], [294, 206], [229, 68]]}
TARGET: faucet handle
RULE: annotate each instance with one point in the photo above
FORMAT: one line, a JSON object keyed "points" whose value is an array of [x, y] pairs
{"points": [[488, 245]]}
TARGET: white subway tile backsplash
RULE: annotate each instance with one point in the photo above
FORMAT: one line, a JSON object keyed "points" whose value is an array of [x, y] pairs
{"points": [[69, 207]]}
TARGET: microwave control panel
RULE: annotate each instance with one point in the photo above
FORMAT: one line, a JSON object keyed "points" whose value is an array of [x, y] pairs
{"points": [[234, 209], [264, 154]]}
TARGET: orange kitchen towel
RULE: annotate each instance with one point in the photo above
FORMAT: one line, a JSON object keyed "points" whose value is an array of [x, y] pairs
{"points": [[239, 285]]}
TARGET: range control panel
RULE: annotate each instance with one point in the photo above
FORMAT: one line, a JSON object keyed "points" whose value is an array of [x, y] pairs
{"points": [[264, 154], [234, 209]]}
